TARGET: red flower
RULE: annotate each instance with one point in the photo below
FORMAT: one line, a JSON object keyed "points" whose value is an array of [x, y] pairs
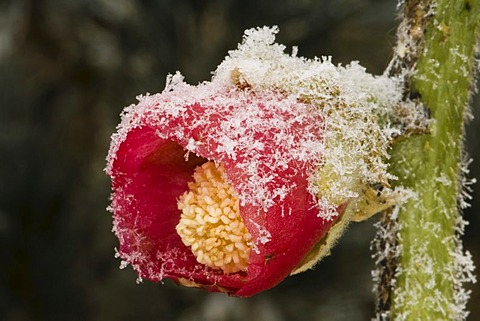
{"points": [[248, 216]]}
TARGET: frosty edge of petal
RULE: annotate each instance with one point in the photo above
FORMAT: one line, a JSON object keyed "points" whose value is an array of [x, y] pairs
{"points": [[269, 144]]}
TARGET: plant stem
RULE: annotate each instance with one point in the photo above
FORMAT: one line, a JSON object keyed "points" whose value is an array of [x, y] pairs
{"points": [[430, 265]]}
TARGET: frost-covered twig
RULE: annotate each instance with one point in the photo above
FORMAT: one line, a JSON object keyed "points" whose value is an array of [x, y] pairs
{"points": [[421, 265]]}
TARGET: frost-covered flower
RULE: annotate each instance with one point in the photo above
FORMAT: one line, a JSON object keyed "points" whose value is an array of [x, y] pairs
{"points": [[210, 187], [236, 183]]}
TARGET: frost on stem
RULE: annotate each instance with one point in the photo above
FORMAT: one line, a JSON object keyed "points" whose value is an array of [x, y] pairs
{"points": [[410, 38], [421, 264]]}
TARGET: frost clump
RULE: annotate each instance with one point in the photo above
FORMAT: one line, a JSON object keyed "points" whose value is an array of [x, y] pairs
{"points": [[357, 107]]}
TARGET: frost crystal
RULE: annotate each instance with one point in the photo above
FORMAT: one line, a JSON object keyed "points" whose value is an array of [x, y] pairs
{"points": [[357, 109]]}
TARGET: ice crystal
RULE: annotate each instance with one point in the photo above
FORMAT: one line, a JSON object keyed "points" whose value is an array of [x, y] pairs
{"points": [[358, 109]]}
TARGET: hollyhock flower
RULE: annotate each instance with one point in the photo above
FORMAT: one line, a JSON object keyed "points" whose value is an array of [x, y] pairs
{"points": [[236, 183], [210, 187]]}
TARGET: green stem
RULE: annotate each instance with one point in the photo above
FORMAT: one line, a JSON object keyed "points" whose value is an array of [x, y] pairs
{"points": [[427, 285]]}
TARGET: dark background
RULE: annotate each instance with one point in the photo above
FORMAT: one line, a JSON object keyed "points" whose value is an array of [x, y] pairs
{"points": [[68, 67]]}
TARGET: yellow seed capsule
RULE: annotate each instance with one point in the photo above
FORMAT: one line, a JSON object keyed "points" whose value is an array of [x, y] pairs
{"points": [[210, 222]]}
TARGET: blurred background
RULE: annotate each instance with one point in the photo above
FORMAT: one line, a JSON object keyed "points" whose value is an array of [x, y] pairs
{"points": [[67, 69]]}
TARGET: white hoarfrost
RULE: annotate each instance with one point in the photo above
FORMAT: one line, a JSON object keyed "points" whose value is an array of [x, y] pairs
{"points": [[421, 264], [356, 106]]}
